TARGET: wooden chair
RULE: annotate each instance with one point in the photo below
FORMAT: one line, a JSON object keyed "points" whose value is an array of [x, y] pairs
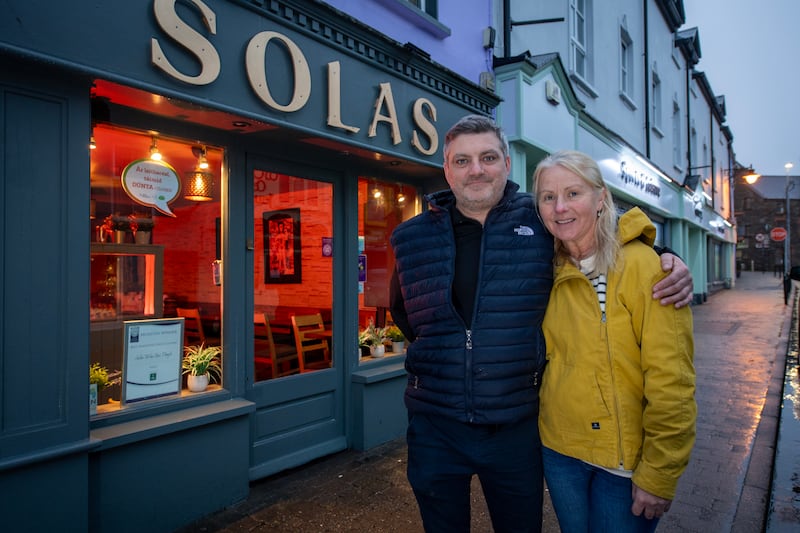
{"points": [[302, 325], [192, 326], [279, 357]]}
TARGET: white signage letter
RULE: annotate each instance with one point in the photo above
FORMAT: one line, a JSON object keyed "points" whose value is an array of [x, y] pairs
{"points": [[335, 98], [385, 97], [255, 61], [427, 126], [183, 34]]}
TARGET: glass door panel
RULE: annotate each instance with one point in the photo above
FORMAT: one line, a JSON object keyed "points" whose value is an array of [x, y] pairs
{"points": [[293, 275]]}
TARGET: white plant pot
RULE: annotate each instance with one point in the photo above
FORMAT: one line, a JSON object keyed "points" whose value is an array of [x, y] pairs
{"points": [[398, 346], [197, 383], [377, 350], [93, 398]]}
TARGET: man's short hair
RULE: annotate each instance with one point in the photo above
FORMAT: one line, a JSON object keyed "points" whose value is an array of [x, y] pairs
{"points": [[474, 124]]}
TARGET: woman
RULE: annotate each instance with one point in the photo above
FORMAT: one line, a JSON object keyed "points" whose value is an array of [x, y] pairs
{"points": [[617, 417]]}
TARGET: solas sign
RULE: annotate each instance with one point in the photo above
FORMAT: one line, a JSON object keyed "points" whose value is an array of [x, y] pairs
{"points": [[424, 136]]}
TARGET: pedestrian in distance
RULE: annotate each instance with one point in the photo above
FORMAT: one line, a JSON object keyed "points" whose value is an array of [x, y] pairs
{"points": [[472, 279], [617, 414]]}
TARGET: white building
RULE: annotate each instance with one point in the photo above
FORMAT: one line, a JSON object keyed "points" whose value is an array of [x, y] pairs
{"points": [[616, 80]]}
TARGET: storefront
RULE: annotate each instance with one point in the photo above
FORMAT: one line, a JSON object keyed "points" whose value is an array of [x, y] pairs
{"points": [[239, 162]]}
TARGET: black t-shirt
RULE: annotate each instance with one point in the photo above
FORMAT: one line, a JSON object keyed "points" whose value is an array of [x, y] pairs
{"points": [[468, 233]]}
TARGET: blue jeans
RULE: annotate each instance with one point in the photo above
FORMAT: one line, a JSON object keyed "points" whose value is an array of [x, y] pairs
{"points": [[444, 454], [590, 499]]}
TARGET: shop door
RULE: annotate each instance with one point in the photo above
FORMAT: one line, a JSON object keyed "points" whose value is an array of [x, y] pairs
{"points": [[295, 370]]}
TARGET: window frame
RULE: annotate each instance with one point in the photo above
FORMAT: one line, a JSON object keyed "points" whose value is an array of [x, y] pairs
{"points": [[655, 101], [580, 48], [626, 66], [676, 134]]}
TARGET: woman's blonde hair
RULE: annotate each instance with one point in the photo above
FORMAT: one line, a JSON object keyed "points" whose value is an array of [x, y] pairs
{"points": [[606, 230]]}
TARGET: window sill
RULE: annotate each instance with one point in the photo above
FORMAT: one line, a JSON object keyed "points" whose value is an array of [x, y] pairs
{"points": [[163, 424], [584, 85], [628, 101]]}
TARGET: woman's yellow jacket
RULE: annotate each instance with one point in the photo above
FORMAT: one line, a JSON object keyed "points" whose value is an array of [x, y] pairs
{"points": [[618, 389]]}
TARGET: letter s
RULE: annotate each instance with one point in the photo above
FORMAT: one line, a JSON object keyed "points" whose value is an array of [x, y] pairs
{"points": [[427, 127], [168, 20]]}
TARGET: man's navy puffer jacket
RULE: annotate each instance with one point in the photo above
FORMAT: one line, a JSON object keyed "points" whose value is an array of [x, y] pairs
{"points": [[486, 372]]}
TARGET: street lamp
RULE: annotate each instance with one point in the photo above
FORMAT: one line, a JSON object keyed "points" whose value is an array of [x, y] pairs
{"points": [[751, 177], [787, 246]]}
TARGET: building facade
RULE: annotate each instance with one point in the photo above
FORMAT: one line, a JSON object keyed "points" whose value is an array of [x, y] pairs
{"points": [[762, 227], [293, 136], [243, 162], [618, 82]]}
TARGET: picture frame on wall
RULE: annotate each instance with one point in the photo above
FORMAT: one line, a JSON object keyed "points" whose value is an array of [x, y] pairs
{"points": [[282, 250]]}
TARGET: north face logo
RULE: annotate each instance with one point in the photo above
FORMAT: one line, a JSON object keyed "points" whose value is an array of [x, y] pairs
{"points": [[523, 230]]}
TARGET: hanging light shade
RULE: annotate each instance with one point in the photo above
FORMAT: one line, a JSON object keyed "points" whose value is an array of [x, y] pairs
{"points": [[200, 187], [401, 198]]}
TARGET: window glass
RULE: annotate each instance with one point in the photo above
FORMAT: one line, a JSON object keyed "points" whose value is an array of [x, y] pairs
{"points": [[428, 6], [382, 206], [579, 38], [656, 99], [293, 275], [626, 63], [154, 247]]}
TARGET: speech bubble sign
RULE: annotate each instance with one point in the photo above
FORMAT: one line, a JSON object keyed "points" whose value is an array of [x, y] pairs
{"points": [[152, 184]]}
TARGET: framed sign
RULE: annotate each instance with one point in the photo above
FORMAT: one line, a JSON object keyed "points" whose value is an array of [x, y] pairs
{"points": [[282, 246], [152, 356]]}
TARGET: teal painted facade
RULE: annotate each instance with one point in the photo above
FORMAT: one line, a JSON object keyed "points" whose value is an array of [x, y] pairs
{"points": [[163, 463]]}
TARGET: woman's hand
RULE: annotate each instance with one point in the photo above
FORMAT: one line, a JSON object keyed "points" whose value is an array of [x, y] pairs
{"points": [[648, 504]]}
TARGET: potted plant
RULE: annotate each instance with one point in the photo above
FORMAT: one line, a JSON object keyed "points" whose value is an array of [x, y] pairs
{"points": [[140, 226], [118, 225], [99, 379], [394, 334], [202, 365], [374, 338]]}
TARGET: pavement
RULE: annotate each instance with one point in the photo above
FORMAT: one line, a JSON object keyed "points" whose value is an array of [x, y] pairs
{"points": [[742, 337]]}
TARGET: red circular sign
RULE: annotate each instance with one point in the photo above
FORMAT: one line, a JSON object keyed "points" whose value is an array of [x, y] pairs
{"points": [[777, 234]]}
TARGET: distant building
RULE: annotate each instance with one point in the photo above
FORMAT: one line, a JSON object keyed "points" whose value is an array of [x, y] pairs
{"points": [[759, 208]]}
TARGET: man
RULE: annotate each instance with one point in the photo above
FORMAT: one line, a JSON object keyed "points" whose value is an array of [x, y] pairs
{"points": [[471, 284]]}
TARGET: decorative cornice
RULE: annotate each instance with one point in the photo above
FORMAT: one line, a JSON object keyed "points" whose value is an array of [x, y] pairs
{"points": [[338, 30]]}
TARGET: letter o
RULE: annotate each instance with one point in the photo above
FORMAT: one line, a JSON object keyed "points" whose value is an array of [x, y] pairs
{"points": [[255, 59]]}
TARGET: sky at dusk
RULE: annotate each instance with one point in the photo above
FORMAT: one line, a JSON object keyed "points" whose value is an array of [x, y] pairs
{"points": [[751, 55]]}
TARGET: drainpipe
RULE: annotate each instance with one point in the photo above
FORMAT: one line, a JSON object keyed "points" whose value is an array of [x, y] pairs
{"points": [[713, 161], [688, 122], [646, 80], [506, 28]]}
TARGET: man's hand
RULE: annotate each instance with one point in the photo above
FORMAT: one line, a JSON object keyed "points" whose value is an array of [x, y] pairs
{"points": [[676, 288], [648, 504]]}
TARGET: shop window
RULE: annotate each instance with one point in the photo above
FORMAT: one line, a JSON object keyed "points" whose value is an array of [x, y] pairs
{"points": [[382, 206], [155, 250]]}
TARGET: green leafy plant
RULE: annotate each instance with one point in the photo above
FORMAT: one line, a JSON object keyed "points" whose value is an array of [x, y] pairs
{"points": [[100, 376], [202, 359], [371, 336], [394, 334]]}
